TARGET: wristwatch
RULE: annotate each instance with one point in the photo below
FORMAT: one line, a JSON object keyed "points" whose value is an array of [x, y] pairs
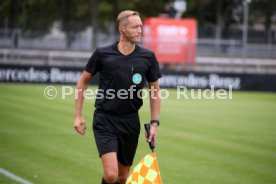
{"points": [[155, 121]]}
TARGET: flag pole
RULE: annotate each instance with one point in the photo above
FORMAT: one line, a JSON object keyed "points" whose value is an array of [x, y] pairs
{"points": [[159, 179], [151, 143]]}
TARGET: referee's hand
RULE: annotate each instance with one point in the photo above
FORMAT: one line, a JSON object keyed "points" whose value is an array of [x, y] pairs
{"points": [[153, 134], [80, 125]]}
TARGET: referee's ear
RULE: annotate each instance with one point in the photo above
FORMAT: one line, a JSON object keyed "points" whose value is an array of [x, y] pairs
{"points": [[121, 29]]}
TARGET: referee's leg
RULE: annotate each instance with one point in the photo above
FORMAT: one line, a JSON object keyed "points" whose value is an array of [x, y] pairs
{"points": [[114, 171], [110, 168], [123, 173]]}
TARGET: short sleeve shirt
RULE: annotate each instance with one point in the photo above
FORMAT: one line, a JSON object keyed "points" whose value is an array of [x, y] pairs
{"points": [[122, 77]]}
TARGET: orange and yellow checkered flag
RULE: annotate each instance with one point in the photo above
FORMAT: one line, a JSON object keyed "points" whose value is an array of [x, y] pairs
{"points": [[146, 171]]}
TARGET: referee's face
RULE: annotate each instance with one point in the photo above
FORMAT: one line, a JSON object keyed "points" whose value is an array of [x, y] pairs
{"points": [[133, 30]]}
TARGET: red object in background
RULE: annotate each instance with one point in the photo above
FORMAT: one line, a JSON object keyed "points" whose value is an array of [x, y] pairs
{"points": [[172, 40]]}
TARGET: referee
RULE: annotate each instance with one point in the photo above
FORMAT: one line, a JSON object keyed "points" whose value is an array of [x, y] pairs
{"points": [[124, 68]]}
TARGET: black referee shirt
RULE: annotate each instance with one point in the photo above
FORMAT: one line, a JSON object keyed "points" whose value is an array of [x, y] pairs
{"points": [[122, 77]]}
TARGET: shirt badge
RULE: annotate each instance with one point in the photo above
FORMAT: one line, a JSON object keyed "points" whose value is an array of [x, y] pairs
{"points": [[137, 78]]}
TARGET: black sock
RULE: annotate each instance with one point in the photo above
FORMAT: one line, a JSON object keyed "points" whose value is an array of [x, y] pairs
{"points": [[104, 182]]}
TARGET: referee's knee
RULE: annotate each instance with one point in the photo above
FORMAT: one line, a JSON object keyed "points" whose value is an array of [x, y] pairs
{"points": [[111, 177], [122, 179]]}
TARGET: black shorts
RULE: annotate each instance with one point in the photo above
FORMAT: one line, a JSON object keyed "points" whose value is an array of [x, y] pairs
{"points": [[117, 133]]}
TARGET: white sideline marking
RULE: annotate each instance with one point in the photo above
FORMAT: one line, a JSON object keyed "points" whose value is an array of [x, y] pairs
{"points": [[14, 177]]}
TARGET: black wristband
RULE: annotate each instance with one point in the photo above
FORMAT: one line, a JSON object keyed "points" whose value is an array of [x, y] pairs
{"points": [[155, 121]]}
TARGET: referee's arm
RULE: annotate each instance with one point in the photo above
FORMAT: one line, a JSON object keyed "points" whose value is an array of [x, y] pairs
{"points": [[83, 82], [155, 104]]}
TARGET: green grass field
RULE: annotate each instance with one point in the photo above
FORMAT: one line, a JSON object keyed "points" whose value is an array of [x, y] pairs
{"points": [[200, 141]]}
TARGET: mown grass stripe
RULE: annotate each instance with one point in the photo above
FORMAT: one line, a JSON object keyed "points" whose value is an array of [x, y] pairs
{"points": [[13, 176]]}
